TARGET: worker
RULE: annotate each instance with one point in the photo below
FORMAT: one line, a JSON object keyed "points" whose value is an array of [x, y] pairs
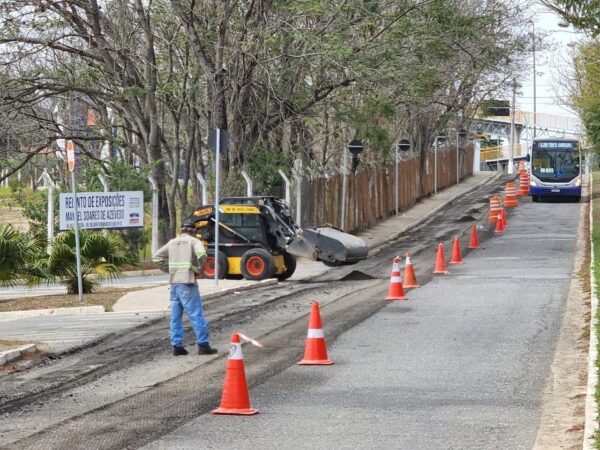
{"points": [[186, 257]]}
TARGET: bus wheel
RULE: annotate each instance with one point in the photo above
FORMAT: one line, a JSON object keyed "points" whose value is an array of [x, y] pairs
{"points": [[535, 198], [257, 264]]}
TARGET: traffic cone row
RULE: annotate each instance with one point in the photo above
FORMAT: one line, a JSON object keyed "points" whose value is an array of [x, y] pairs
{"points": [[235, 398]]}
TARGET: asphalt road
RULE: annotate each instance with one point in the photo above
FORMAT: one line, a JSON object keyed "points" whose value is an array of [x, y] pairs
{"points": [[459, 365], [462, 364]]}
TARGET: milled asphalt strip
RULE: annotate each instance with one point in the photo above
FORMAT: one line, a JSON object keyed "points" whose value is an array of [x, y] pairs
{"points": [[394, 236], [591, 406], [134, 345], [197, 391]]}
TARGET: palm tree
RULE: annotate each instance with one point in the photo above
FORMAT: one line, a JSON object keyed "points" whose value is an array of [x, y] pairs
{"points": [[102, 254], [15, 253]]}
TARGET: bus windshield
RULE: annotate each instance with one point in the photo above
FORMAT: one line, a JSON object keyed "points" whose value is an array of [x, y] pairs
{"points": [[555, 165]]}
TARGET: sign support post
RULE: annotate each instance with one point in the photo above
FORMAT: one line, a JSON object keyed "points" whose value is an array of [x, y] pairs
{"points": [[71, 163], [218, 140], [217, 182], [404, 145]]}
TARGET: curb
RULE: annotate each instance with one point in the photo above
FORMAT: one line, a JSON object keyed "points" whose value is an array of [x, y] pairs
{"points": [[591, 407], [76, 311], [407, 228], [15, 353]]}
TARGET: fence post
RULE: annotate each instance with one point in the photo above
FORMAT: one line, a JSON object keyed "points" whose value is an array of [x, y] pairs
{"points": [[286, 180], [297, 170], [103, 182], [477, 157], [50, 217], [248, 183], [202, 182], [154, 245]]}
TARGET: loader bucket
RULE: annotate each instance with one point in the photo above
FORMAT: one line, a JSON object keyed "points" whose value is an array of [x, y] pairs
{"points": [[328, 245]]}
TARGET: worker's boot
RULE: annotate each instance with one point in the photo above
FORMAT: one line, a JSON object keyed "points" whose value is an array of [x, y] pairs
{"points": [[206, 349], [178, 351]]}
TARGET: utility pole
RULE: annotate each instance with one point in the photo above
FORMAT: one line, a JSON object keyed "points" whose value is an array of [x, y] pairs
{"points": [[534, 80], [511, 168], [154, 184]]}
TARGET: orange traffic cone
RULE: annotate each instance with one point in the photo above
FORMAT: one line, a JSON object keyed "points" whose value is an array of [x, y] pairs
{"points": [[474, 237], [499, 224], [440, 262], [511, 200], [504, 221], [235, 398], [396, 290], [315, 351], [523, 184], [521, 167], [456, 253], [410, 280], [494, 208]]}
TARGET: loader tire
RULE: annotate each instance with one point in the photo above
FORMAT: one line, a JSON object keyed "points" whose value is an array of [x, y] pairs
{"points": [[290, 267], [257, 264], [209, 267]]}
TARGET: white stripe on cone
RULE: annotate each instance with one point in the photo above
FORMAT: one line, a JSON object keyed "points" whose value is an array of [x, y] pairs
{"points": [[235, 351], [315, 333], [396, 267], [396, 279], [408, 261]]}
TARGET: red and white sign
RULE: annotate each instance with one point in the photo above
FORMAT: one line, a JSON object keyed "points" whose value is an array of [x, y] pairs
{"points": [[70, 155]]}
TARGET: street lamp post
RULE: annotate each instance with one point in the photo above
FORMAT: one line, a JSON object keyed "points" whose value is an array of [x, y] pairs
{"points": [[442, 138], [354, 147], [460, 133], [403, 145], [511, 168], [534, 78]]}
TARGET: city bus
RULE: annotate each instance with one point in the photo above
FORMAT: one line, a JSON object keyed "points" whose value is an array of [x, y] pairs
{"points": [[555, 168]]}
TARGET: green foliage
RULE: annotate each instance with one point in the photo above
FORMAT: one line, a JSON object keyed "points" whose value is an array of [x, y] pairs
{"points": [[584, 14], [263, 167], [369, 120], [102, 255], [16, 252], [586, 89]]}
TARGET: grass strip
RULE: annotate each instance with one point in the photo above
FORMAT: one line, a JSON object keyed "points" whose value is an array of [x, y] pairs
{"points": [[106, 297]]}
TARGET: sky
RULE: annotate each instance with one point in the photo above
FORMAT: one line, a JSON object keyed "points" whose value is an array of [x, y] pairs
{"points": [[550, 65]]}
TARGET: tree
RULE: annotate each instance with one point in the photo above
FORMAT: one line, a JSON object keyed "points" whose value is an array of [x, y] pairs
{"points": [[102, 255], [583, 14], [585, 89], [15, 254]]}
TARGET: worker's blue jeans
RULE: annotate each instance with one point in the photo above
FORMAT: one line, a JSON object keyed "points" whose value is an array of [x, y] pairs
{"points": [[186, 297]]}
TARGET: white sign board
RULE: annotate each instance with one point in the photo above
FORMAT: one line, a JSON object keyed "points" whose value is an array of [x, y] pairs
{"points": [[101, 210]]}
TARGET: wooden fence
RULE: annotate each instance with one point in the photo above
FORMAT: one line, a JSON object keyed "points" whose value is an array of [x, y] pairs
{"points": [[370, 193]]}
